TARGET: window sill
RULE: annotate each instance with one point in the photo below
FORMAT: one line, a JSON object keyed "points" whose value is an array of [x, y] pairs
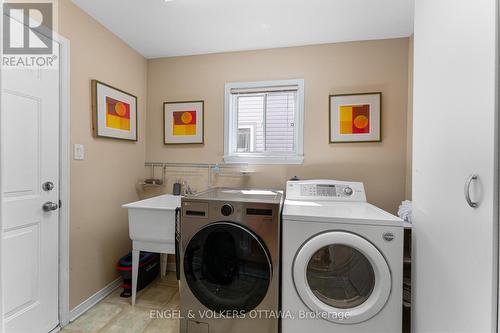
{"points": [[294, 159]]}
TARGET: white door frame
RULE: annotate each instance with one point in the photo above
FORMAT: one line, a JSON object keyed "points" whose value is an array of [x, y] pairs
{"points": [[64, 183], [64, 177], [497, 148], [1, 193]]}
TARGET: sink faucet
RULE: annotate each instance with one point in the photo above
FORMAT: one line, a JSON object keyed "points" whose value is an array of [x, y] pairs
{"points": [[187, 188]]}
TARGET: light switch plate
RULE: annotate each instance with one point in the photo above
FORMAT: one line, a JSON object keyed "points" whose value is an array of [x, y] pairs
{"points": [[79, 152]]}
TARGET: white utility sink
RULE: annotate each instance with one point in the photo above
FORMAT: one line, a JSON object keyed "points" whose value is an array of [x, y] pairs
{"points": [[152, 228], [153, 219]]}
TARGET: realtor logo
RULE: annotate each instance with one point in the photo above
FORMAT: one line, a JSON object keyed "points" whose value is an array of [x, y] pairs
{"points": [[27, 28], [27, 34]]}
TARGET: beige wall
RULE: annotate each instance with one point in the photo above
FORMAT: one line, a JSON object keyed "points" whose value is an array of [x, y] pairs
{"points": [[106, 178], [327, 69]]}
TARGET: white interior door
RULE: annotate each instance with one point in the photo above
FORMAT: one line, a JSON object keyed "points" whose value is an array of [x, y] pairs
{"points": [[455, 120], [30, 159]]}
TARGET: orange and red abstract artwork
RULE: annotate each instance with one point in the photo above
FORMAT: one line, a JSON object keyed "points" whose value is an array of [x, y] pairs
{"points": [[184, 123], [114, 112], [355, 119], [117, 114]]}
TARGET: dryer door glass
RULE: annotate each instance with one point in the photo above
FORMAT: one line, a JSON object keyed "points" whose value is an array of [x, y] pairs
{"points": [[340, 276], [227, 268]]}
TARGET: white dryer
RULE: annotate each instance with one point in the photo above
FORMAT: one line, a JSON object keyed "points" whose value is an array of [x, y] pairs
{"points": [[342, 261]]}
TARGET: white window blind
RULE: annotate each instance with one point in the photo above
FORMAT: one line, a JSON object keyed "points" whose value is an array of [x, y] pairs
{"points": [[257, 90]]}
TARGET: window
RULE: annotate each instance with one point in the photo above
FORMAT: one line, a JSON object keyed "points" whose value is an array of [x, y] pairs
{"points": [[245, 140], [263, 122]]}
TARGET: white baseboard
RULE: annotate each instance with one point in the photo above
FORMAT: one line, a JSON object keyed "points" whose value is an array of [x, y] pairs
{"points": [[55, 330], [94, 299], [101, 294]]}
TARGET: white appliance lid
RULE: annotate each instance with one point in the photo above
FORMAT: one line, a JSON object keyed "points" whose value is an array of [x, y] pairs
{"points": [[337, 212]]}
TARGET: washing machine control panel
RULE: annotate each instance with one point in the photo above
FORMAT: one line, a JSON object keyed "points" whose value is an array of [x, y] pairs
{"points": [[325, 189]]}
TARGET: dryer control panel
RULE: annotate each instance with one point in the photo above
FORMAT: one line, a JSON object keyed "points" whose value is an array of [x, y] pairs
{"points": [[325, 189]]}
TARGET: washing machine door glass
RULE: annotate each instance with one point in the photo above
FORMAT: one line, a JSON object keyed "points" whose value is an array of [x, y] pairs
{"points": [[227, 267], [342, 275]]}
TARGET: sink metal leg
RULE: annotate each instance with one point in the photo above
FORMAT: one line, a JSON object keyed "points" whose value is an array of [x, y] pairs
{"points": [[135, 273], [163, 266]]}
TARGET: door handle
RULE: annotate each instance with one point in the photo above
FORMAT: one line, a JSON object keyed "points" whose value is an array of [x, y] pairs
{"points": [[48, 186], [468, 183], [49, 206]]}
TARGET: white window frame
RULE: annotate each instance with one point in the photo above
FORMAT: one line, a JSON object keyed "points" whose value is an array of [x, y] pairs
{"points": [[231, 125]]}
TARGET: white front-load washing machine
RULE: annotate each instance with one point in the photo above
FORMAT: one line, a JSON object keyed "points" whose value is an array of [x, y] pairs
{"points": [[342, 261]]}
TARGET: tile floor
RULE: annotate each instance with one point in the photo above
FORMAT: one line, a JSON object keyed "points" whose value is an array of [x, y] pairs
{"points": [[115, 314]]}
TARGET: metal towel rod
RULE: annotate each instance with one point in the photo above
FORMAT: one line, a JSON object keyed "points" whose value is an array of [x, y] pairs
{"points": [[210, 167], [195, 165]]}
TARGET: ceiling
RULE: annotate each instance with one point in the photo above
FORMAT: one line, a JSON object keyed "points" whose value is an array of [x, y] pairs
{"points": [[159, 28]]}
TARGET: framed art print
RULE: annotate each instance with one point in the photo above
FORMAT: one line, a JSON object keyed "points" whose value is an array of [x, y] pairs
{"points": [[355, 117], [114, 112], [183, 122]]}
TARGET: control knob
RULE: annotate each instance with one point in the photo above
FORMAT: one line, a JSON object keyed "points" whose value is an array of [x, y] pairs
{"points": [[348, 191], [226, 209]]}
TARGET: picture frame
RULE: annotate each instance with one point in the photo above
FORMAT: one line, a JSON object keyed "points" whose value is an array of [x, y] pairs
{"points": [[114, 112], [183, 122], [355, 117]]}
